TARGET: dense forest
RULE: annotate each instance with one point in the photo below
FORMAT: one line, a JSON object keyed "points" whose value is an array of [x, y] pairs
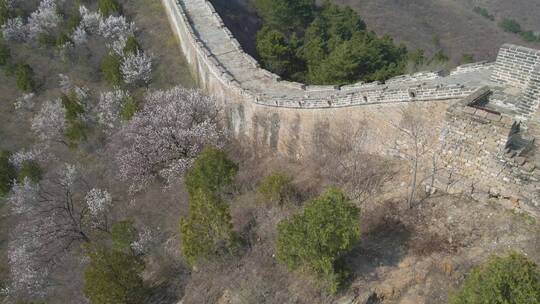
{"points": [[325, 44]]}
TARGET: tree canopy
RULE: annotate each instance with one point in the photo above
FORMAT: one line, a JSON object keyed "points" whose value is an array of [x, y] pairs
{"points": [[113, 275], [212, 172], [7, 173], [324, 45], [316, 239], [512, 279], [207, 231]]}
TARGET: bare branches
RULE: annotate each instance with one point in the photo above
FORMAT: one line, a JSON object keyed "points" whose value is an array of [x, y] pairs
{"points": [[55, 216]]}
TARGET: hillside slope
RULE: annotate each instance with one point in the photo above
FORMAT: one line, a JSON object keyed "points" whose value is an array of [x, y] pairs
{"points": [[449, 24]]}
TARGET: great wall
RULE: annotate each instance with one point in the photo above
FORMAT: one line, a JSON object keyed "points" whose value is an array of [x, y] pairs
{"points": [[486, 115]]}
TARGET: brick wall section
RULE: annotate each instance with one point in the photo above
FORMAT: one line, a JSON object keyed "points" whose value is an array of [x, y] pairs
{"points": [[530, 100], [477, 161], [514, 65], [199, 27]]}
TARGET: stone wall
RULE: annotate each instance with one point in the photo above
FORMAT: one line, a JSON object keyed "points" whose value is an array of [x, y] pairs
{"points": [[481, 159], [514, 65], [520, 67], [205, 45], [284, 116]]}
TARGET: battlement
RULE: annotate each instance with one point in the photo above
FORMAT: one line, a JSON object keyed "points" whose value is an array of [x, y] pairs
{"points": [[482, 103], [216, 52]]}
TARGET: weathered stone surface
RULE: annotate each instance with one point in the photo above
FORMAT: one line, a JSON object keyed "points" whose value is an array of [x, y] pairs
{"points": [[283, 114]]}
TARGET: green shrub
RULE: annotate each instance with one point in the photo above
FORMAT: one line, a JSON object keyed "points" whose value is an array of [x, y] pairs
{"points": [[123, 234], [7, 173], [46, 39], [73, 21], [317, 239], [110, 68], [5, 14], [484, 13], [417, 58], [276, 53], [25, 77], [132, 46], [114, 276], [440, 56], [467, 58], [529, 36], [109, 7], [212, 172], [31, 170], [207, 232], [5, 54], [62, 39], [501, 280], [130, 106], [276, 189], [72, 105], [76, 128], [75, 133], [511, 26]]}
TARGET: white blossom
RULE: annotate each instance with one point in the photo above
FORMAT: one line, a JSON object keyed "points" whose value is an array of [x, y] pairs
{"points": [[137, 68], [79, 36], [65, 83], [53, 217], [18, 158], [90, 21], [118, 45], [14, 29], [49, 123], [28, 276], [24, 102], [98, 201], [23, 196], [116, 27], [144, 242], [45, 19], [164, 138], [68, 175], [68, 87], [109, 106]]}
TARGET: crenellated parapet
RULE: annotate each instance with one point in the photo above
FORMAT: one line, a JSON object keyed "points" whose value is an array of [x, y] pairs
{"points": [[219, 55]]}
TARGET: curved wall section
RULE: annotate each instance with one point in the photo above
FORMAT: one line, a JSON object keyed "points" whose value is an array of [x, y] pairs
{"points": [[223, 68]]}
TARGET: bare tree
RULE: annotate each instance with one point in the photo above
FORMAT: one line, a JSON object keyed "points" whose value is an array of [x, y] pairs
{"points": [[419, 141], [54, 217], [342, 158]]}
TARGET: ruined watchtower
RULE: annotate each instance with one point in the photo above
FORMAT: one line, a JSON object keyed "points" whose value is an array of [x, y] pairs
{"points": [[490, 137]]}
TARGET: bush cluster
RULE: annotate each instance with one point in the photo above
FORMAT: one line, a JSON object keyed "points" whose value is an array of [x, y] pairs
{"points": [[7, 173], [276, 189], [109, 7], [76, 127], [207, 231], [512, 26], [113, 274], [317, 239], [512, 279], [484, 13], [111, 69]]}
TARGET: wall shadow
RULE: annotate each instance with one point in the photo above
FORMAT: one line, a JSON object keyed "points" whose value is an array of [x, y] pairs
{"points": [[241, 19]]}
